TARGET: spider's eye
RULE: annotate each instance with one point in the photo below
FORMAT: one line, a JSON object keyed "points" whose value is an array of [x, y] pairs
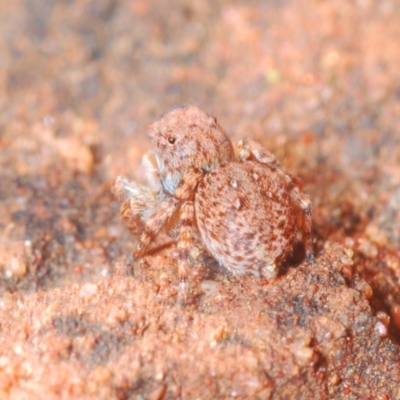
{"points": [[171, 140]]}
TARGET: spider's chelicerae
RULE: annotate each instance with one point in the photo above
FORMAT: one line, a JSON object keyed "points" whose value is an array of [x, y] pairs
{"points": [[244, 209]]}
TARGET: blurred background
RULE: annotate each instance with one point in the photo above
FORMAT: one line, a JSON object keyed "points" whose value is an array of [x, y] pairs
{"points": [[317, 82]]}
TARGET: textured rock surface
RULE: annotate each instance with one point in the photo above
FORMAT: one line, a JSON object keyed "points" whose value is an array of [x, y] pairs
{"points": [[317, 83]]}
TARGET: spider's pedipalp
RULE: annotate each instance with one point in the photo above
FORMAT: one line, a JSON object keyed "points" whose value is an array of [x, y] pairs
{"points": [[149, 165], [137, 203]]}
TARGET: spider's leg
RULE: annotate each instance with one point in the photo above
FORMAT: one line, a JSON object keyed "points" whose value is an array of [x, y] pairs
{"points": [[185, 243], [153, 225], [156, 221], [304, 204], [249, 149]]}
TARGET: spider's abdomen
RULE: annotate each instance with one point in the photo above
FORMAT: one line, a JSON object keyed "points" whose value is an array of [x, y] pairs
{"points": [[246, 217]]}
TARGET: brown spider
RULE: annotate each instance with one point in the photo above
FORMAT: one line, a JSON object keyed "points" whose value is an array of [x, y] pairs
{"points": [[245, 209]]}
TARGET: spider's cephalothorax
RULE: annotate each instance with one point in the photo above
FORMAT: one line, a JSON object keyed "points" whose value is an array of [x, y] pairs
{"points": [[187, 139], [245, 208]]}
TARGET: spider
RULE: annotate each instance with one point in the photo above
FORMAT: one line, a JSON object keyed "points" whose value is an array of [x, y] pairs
{"points": [[244, 208]]}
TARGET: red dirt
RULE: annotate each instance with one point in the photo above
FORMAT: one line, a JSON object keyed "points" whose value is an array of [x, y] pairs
{"points": [[317, 83]]}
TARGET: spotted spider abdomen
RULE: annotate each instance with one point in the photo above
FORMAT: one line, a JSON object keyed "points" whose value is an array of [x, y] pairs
{"points": [[246, 217]]}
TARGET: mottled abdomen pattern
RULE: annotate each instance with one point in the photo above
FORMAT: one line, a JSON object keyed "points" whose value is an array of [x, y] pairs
{"points": [[246, 217]]}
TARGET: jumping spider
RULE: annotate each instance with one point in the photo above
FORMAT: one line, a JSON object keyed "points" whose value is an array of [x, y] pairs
{"points": [[245, 210]]}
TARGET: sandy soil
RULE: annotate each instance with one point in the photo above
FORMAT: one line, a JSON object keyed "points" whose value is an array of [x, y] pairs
{"points": [[317, 83]]}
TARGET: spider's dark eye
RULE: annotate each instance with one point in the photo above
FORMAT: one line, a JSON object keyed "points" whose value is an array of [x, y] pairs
{"points": [[171, 140]]}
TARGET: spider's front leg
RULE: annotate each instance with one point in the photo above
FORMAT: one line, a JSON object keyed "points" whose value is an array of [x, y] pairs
{"points": [[251, 150], [156, 221]]}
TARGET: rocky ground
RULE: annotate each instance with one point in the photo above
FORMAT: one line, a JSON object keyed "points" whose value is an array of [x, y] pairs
{"points": [[317, 83]]}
